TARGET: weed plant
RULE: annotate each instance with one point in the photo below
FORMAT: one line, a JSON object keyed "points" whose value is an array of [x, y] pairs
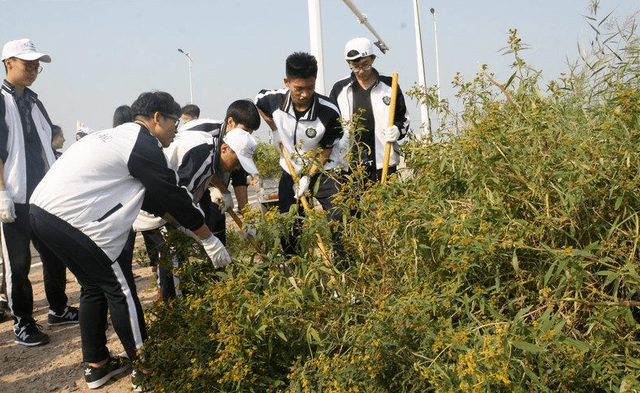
{"points": [[506, 260]]}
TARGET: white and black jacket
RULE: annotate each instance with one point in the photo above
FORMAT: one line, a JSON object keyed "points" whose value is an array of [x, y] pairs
{"points": [[100, 183], [319, 127], [12, 147], [215, 128], [342, 94], [193, 156]]}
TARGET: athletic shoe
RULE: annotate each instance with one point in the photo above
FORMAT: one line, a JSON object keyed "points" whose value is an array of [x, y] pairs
{"points": [[69, 315], [4, 305], [137, 382], [98, 376], [30, 335]]}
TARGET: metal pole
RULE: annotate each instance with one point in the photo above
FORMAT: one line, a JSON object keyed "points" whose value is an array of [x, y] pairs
{"points": [[435, 33], [315, 35], [190, 62], [422, 79], [363, 19]]}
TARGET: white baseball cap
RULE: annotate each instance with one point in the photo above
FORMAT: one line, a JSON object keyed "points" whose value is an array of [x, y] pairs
{"points": [[23, 49], [243, 144], [357, 48]]}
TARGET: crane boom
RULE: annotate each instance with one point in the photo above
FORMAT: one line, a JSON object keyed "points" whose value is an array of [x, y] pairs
{"points": [[362, 18]]}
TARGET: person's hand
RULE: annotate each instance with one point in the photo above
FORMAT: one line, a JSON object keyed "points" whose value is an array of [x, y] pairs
{"points": [[390, 134], [223, 200], [7, 208], [188, 232], [302, 187], [216, 251], [248, 231]]}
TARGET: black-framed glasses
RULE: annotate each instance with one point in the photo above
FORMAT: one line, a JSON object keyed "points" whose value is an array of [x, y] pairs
{"points": [[176, 119], [362, 64], [31, 66]]}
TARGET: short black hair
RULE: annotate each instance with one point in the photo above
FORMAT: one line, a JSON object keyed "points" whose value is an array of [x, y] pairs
{"points": [[55, 131], [123, 114], [191, 110], [151, 102], [301, 65], [244, 112]]}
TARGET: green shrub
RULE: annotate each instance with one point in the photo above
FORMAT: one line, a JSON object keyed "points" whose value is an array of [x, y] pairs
{"points": [[506, 260], [266, 157]]}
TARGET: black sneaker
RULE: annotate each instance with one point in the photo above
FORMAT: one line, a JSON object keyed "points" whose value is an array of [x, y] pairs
{"points": [[96, 377], [69, 315], [30, 335], [137, 382]]}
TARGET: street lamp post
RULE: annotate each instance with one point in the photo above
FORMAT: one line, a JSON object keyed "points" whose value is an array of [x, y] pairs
{"points": [[190, 61]]}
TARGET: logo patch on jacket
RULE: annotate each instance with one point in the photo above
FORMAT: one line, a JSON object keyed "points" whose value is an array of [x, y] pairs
{"points": [[386, 100], [311, 132]]}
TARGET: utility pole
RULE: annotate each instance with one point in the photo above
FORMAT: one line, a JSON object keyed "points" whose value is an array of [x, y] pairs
{"points": [[315, 35], [422, 79], [435, 33]]}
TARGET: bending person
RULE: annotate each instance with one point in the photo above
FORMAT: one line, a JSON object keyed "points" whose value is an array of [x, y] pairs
{"points": [[84, 208]]}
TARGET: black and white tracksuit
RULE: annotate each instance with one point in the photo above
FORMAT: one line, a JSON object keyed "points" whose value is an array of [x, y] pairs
{"points": [[83, 210], [319, 126], [26, 153], [194, 156], [376, 99], [216, 219]]}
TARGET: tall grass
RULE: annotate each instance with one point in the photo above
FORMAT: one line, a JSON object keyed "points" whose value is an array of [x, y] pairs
{"points": [[506, 261]]}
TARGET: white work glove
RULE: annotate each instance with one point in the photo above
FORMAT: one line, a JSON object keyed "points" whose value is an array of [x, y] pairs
{"points": [[188, 233], [7, 208], [248, 231], [216, 251], [223, 200], [302, 187], [390, 134]]}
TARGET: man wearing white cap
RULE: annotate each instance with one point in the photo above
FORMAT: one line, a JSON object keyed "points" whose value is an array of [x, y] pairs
{"points": [[242, 114], [26, 155], [368, 91], [198, 157]]}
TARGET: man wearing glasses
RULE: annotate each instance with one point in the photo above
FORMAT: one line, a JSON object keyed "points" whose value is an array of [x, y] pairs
{"points": [[366, 91], [26, 155], [84, 208]]}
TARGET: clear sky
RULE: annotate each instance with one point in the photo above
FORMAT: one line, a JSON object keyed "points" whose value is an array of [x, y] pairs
{"points": [[105, 53]]}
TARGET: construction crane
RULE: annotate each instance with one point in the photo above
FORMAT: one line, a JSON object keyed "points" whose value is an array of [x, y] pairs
{"points": [[362, 18]]}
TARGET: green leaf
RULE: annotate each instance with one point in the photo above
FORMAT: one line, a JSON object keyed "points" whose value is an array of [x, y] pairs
{"points": [[281, 335], [311, 332], [514, 262], [527, 347], [577, 344]]}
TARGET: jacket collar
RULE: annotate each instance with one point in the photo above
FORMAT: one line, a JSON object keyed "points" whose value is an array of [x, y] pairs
{"points": [[355, 80], [28, 93], [310, 115]]}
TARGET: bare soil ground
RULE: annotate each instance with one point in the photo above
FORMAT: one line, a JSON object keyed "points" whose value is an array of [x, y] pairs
{"points": [[57, 366]]}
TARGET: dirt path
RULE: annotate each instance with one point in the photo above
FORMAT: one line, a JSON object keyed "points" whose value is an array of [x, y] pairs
{"points": [[57, 366]]}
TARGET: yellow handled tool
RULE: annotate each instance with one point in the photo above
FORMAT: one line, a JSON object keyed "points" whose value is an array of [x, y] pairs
{"points": [[304, 202], [392, 116], [250, 238]]}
